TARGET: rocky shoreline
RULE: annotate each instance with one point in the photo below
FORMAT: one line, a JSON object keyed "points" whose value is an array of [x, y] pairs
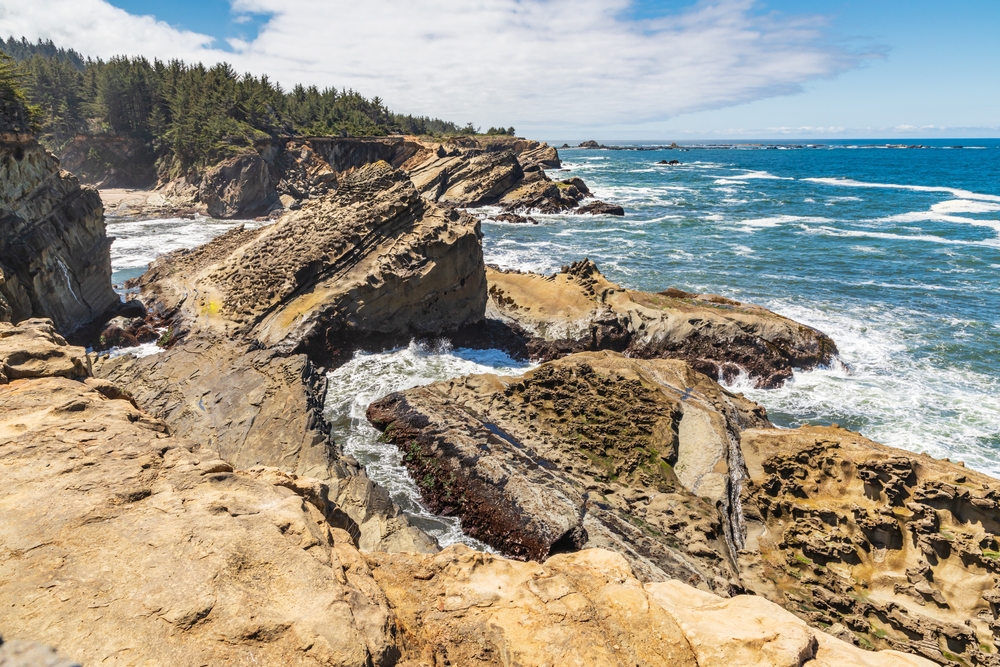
{"points": [[190, 507]]}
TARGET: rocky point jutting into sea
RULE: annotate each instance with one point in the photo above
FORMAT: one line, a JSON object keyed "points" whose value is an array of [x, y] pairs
{"points": [[191, 506]]}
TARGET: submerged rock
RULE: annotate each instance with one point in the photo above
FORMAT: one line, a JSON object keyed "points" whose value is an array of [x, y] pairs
{"points": [[594, 450], [54, 251], [579, 309]]}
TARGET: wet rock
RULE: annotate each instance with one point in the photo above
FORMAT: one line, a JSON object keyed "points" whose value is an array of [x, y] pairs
{"points": [[670, 162], [594, 450], [601, 208], [55, 257], [579, 309], [514, 218]]}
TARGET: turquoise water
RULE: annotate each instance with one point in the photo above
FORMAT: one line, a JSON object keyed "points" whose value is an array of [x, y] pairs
{"points": [[894, 253]]}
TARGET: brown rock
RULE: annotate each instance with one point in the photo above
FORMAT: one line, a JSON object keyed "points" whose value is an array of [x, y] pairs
{"points": [[878, 540], [591, 450], [33, 349], [579, 309], [238, 187], [55, 257], [601, 208]]}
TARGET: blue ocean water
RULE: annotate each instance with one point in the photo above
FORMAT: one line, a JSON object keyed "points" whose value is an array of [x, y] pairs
{"points": [[895, 253]]}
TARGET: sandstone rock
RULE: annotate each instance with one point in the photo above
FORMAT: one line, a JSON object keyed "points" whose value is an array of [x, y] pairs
{"points": [[123, 545], [110, 161], [33, 349], [371, 261], [467, 180], [591, 450], [544, 196], [467, 608], [54, 253], [579, 309], [601, 208], [900, 550], [239, 186]]}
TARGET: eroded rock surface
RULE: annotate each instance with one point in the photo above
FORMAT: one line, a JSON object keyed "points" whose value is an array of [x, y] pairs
{"points": [[593, 450], [579, 309], [54, 251], [124, 545], [463, 607], [372, 259], [887, 548]]}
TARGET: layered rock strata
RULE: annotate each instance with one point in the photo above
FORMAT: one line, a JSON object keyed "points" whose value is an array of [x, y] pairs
{"points": [[594, 450], [579, 309], [883, 547], [372, 259], [54, 251], [123, 544]]}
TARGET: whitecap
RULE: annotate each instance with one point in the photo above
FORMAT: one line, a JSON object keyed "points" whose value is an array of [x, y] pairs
{"points": [[955, 192]]}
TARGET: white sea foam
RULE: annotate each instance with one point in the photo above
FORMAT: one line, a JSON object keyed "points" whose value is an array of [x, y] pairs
{"points": [[934, 216], [139, 242], [889, 395], [965, 206], [778, 220], [368, 377], [143, 350], [955, 192]]}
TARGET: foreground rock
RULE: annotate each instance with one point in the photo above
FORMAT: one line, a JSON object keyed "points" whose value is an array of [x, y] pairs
{"points": [[54, 252], [588, 609], [594, 450], [579, 309], [886, 548], [124, 545]]}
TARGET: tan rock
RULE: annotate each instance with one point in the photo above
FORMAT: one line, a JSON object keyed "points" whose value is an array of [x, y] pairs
{"points": [[588, 608], [579, 309], [897, 550], [33, 349]]}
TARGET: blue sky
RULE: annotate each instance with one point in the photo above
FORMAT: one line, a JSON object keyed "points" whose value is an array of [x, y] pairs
{"points": [[610, 69]]}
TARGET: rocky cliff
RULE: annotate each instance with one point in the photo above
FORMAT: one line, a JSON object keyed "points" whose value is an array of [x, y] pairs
{"points": [[124, 544], [54, 252], [656, 462], [579, 309]]}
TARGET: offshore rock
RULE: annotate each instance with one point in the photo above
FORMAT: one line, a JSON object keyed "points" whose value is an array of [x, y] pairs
{"points": [[579, 309], [124, 545], [372, 261], [463, 607], [594, 450], [891, 549], [54, 252], [602, 208]]}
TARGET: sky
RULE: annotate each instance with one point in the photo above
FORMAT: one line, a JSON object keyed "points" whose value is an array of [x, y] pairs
{"points": [[578, 69]]}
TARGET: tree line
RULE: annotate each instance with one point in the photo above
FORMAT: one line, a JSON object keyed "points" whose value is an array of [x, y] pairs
{"points": [[190, 116]]}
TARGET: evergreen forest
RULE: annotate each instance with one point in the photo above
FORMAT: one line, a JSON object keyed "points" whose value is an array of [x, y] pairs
{"points": [[186, 116]]}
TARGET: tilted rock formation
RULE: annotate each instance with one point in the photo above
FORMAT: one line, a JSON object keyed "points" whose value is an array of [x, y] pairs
{"points": [[889, 548], [54, 252], [579, 309], [372, 259], [594, 450], [463, 607], [458, 179]]}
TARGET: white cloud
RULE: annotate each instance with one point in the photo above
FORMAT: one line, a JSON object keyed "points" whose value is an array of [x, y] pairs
{"points": [[530, 63]]}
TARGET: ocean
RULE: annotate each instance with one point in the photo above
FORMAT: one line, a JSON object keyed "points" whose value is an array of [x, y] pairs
{"points": [[893, 252]]}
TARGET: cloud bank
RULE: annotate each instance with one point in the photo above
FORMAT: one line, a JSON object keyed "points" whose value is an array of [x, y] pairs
{"points": [[531, 63]]}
